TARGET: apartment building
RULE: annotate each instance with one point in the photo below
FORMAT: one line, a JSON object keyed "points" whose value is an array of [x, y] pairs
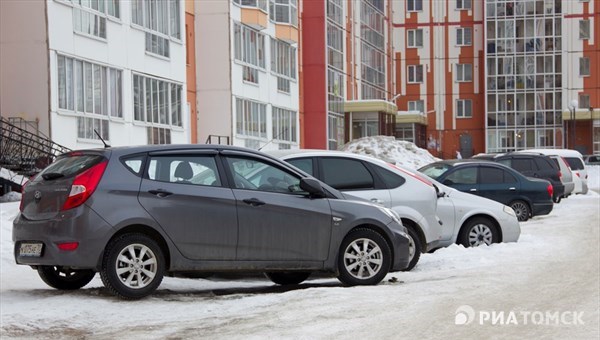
{"points": [[438, 56], [346, 71], [498, 75], [79, 66], [581, 75], [247, 67]]}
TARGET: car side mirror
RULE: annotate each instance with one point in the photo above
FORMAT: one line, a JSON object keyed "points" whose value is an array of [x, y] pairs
{"points": [[439, 193], [313, 187]]}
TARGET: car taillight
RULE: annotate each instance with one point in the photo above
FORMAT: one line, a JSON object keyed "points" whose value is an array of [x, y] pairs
{"points": [[23, 192], [550, 190], [84, 185], [578, 175], [560, 175]]}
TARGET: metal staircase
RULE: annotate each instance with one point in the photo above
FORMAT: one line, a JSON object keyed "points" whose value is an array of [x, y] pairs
{"points": [[25, 152]]}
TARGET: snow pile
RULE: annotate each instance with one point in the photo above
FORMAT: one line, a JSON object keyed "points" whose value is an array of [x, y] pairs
{"points": [[392, 151], [11, 176], [12, 196]]}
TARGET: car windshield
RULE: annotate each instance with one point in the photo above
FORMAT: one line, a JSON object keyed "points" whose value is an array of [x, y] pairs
{"points": [[435, 170]]}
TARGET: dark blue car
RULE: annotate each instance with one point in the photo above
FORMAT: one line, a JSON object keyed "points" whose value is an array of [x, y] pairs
{"points": [[527, 196]]}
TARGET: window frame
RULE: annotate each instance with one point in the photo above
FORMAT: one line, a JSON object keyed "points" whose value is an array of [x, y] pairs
{"points": [[165, 108], [413, 4], [414, 37], [460, 5], [461, 71], [582, 34], [414, 74], [461, 31], [584, 64], [462, 113]]}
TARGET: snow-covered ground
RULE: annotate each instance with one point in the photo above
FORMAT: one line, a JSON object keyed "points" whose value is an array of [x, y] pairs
{"points": [[548, 283], [391, 150]]}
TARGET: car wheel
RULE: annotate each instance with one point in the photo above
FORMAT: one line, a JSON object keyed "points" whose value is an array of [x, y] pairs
{"points": [[477, 232], [133, 266], [65, 279], [364, 258], [414, 249], [521, 210], [287, 278]]}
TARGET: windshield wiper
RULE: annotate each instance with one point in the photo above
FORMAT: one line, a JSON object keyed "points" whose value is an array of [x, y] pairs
{"points": [[52, 175]]}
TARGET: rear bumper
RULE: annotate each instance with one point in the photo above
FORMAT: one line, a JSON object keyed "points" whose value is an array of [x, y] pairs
{"points": [[541, 208], [80, 225]]}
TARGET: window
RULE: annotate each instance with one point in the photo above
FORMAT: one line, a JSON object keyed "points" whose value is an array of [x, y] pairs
{"points": [[252, 174], [372, 25], [304, 164], [584, 29], [414, 5], [195, 170], [161, 20], [262, 4], [284, 11], [249, 48], [250, 74], [463, 36], [464, 108], [284, 125], [89, 17], [416, 105], [584, 66], [415, 38], [157, 101], [462, 176], [415, 74], [283, 64], [251, 118], [523, 164], [463, 4], [489, 175], [584, 101], [335, 11], [346, 174], [464, 72], [88, 88], [335, 47], [158, 135], [390, 179]]}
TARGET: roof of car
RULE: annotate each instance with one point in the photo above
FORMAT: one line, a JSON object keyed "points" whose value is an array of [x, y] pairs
{"points": [[124, 150], [318, 152]]}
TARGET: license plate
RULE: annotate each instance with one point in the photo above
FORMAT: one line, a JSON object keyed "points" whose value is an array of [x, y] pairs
{"points": [[31, 249]]}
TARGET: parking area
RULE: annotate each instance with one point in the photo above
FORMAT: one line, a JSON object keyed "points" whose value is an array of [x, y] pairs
{"points": [[552, 271]]}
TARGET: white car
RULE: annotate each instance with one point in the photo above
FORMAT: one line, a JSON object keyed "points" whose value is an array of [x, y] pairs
{"points": [[466, 219]]}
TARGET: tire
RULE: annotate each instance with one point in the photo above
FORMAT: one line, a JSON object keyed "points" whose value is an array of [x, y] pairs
{"points": [[557, 199], [65, 279], [521, 209], [287, 278], [478, 231], [364, 258], [414, 249], [132, 280]]}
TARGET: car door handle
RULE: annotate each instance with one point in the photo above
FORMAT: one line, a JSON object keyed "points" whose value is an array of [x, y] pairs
{"points": [[160, 193], [376, 201], [472, 190], [255, 202], [512, 188]]}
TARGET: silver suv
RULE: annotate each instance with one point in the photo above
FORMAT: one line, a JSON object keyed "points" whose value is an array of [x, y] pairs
{"points": [[135, 214]]}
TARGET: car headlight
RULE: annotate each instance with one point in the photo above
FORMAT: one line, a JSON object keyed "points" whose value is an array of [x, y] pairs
{"points": [[509, 211], [391, 213]]}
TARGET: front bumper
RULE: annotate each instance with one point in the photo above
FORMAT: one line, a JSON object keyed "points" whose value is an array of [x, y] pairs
{"points": [[80, 225], [401, 250]]}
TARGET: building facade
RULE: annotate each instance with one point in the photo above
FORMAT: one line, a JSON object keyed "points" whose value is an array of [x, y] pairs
{"points": [[247, 67], [346, 71], [80, 66], [438, 55]]}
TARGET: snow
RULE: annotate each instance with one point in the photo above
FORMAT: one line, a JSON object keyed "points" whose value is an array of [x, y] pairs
{"points": [[392, 151], [553, 268], [14, 177], [10, 197]]}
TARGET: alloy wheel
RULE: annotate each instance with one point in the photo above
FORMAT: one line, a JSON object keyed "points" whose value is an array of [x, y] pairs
{"points": [[363, 258], [479, 235], [136, 266]]}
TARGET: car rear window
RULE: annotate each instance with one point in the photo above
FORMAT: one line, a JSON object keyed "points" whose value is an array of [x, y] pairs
{"points": [[575, 163], [69, 165], [435, 170]]}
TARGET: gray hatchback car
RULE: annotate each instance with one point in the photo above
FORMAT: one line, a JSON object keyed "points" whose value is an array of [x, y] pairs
{"points": [[135, 214]]}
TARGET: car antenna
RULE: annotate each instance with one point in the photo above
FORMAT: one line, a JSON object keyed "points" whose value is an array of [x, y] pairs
{"points": [[272, 139], [103, 142]]}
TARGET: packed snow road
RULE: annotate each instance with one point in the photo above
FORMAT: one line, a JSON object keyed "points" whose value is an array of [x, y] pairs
{"points": [[545, 285]]}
